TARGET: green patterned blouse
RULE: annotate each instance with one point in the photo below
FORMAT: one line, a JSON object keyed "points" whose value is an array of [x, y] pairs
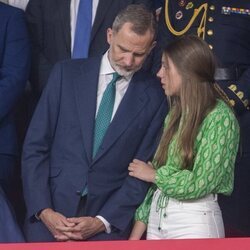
{"points": [[215, 151]]}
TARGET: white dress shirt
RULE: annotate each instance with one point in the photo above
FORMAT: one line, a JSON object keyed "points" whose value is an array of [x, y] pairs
{"points": [[21, 4], [73, 17], [105, 77]]}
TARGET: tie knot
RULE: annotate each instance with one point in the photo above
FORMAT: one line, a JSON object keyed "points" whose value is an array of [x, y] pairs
{"points": [[116, 76]]}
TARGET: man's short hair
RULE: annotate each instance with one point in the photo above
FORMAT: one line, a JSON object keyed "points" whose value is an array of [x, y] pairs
{"points": [[139, 16]]}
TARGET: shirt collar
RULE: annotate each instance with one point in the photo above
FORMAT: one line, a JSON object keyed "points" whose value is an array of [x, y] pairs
{"points": [[106, 68]]}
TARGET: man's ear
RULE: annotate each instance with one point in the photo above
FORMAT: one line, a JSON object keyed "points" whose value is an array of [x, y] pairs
{"points": [[152, 45], [109, 35]]}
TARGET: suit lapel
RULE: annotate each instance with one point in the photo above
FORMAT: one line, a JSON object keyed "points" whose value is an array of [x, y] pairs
{"points": [[86, 93], [102, 8], [64, 8], [131, 104]]}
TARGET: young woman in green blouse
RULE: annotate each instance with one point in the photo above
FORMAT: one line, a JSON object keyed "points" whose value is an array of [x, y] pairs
{"points": [[195, 158]]}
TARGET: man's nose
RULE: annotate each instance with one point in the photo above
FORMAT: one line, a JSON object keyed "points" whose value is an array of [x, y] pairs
{"points": [[128, 60]]}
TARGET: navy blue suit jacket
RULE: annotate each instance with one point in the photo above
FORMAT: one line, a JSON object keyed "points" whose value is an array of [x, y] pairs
{"points": [[57, 156], [14, 70]]}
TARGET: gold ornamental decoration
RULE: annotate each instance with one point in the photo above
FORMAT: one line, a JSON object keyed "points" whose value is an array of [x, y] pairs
{"points": [[201, 29]]}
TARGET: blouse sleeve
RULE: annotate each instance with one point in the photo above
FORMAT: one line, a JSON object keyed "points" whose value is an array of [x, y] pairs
{"points": [[142, 212], [216, 148]]}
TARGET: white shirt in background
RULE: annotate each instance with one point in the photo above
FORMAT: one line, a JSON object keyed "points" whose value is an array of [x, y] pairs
{"points": [[21, 4]]}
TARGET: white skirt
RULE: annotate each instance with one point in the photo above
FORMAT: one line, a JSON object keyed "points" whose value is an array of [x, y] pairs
{"points": [[200, 218]]}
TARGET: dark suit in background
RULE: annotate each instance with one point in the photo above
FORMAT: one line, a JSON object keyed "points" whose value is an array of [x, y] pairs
{"points": [[49, 27], [9, 229], [227, 31], [158, 3], [14, 70]]}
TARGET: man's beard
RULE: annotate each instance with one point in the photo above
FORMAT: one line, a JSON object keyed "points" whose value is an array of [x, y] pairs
{"points": [[123, 72]]}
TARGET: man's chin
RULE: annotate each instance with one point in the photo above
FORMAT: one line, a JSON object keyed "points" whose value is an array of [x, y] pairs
{"points": [[125, 73]]}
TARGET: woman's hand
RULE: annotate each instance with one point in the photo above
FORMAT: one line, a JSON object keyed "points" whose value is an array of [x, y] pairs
{"points": [[141, 170]]}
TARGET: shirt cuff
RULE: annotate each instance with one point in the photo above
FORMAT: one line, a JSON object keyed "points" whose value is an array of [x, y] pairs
{"points": [[37, 214], [106, 224]]}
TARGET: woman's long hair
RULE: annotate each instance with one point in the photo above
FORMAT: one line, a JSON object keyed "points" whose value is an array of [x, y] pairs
{"points": [[196, 64]]}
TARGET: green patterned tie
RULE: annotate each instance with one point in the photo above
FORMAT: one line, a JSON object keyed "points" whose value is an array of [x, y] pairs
{"points": [[104, 114]]}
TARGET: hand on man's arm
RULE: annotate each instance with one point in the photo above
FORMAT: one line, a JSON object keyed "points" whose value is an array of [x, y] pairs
{"points": [[142, 170]]}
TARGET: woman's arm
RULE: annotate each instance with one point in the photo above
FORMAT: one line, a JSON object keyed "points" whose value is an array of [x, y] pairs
{"points": [[138, 230], [217, 145]]}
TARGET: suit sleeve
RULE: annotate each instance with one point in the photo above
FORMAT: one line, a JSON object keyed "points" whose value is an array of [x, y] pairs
{"points": [[41, 66], [37, 146], [14, 68], [132, 192]]}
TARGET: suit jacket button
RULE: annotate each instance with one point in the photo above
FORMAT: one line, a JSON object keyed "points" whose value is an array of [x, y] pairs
{"points": [[210, 32], [210, 19], [210, 46], [212, 7]]}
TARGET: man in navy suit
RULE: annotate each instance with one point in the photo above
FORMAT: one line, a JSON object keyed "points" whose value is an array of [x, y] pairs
{"points": [[14, 70], [71, 194]]}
